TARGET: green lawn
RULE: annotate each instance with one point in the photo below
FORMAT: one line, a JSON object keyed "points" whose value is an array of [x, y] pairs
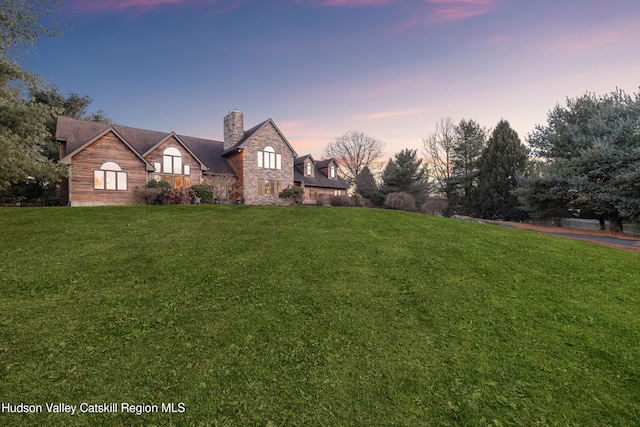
{"points": [[308, 316]]}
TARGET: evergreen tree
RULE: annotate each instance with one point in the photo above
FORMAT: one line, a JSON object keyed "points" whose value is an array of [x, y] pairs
{"points": [[470, 140], [500, 167], [366, 186], [591, 154], [405, 172]]}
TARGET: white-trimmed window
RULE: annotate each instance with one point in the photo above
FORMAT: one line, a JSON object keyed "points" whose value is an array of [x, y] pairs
{"points": [[110, 177], [173, 171], [309, 169], [172, 161], [269, 159], [332, 171]]}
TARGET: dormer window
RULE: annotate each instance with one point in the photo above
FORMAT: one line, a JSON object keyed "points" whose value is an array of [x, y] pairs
{"points": [[332, 171], [308, 169], [269, 159]]}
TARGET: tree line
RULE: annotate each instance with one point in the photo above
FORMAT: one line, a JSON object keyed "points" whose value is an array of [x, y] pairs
{"points": [[585, 162]]}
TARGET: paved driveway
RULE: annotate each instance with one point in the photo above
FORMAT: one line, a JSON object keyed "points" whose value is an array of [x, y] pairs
{"points": [[626, 242]]}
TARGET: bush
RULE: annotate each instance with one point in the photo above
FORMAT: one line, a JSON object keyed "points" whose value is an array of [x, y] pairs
{"points": [[204, 192], [178, 196], [401, 201], [163, 185], [358, 200], [149, 196], [293, 195], [340, 201], [435, 206]]}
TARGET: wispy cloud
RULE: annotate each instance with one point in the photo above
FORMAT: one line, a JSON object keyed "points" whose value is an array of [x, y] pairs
{"points": [[140, 6], [347, 3], [444, 11], [390, 114], [617, 33]]}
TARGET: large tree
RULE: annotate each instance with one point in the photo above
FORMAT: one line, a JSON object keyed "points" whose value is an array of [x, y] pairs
{"points": [[367, 187], [406, 173], [438, 149], [22, 22], [470, 140], [23, 125], [354, 151], [590, 159], [500, 167]]}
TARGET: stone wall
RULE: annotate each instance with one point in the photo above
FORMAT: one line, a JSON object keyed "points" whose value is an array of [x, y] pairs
{"points": [[266, 136]]}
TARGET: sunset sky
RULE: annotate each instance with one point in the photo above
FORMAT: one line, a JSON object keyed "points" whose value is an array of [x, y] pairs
{"points": [[319, 68]]}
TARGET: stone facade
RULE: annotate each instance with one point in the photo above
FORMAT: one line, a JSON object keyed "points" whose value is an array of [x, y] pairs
{"points": [[267, 136], [233, 128]]}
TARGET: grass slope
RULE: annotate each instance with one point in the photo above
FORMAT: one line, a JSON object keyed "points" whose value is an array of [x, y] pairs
{"points": [[268, 316]]}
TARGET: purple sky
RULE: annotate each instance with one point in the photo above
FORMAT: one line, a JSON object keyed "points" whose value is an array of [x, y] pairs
{"points": [[319, 68]]}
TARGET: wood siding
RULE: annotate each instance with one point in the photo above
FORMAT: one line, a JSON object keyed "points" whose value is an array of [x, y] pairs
{"points": [[237, 163], [187, 159], [108, 148]]}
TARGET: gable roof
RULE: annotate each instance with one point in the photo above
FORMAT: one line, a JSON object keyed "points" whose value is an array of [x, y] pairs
{"points": [[320, 179], [300, 160], [78, 133], [250, 132], [67, 159], [325, 163]]}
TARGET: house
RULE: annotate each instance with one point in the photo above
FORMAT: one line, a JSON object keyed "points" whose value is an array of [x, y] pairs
{"points": [[107, 162]]}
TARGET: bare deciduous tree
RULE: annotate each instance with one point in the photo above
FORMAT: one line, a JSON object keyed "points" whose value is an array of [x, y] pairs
{"points": [[354, 151], [222, 186], [438, 149]]}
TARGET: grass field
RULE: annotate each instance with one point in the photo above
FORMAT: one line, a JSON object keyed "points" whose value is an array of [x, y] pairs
{"points": [[272, 316]]}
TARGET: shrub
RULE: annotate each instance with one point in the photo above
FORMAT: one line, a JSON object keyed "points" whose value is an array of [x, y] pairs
{"points": [[401, 201], [177, 196], [358, 201], [204, 192], [319, 202], [163, 185], [434, 206], [293, 195], [340, 201], [149, 196]]}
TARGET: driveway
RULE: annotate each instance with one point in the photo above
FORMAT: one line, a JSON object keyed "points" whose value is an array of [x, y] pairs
{"points": [[625, 242]]}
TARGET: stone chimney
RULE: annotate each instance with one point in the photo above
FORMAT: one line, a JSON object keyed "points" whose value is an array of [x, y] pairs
{"points": [[233, 128]]}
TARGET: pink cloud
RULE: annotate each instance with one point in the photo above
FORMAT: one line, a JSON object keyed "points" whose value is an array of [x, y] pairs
{"points": [[389, 114], [444, 11], [140, 6], [347, 3], [595, 38]]}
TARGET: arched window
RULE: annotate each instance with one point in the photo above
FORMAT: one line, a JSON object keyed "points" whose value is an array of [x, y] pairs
{"points": [[269, 159], [172, 161], [110, 177], [173, 170]]}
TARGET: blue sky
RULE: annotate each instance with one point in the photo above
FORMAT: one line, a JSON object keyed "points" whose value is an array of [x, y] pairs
{"points": [[319, 68]]}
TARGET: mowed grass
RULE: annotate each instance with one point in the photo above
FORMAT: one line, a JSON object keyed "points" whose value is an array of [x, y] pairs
{"points": [[306, 316]]}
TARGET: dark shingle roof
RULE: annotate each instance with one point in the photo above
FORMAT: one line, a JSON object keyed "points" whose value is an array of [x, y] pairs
{"points": [[319, 180], [300, 160], [76, 133]]}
